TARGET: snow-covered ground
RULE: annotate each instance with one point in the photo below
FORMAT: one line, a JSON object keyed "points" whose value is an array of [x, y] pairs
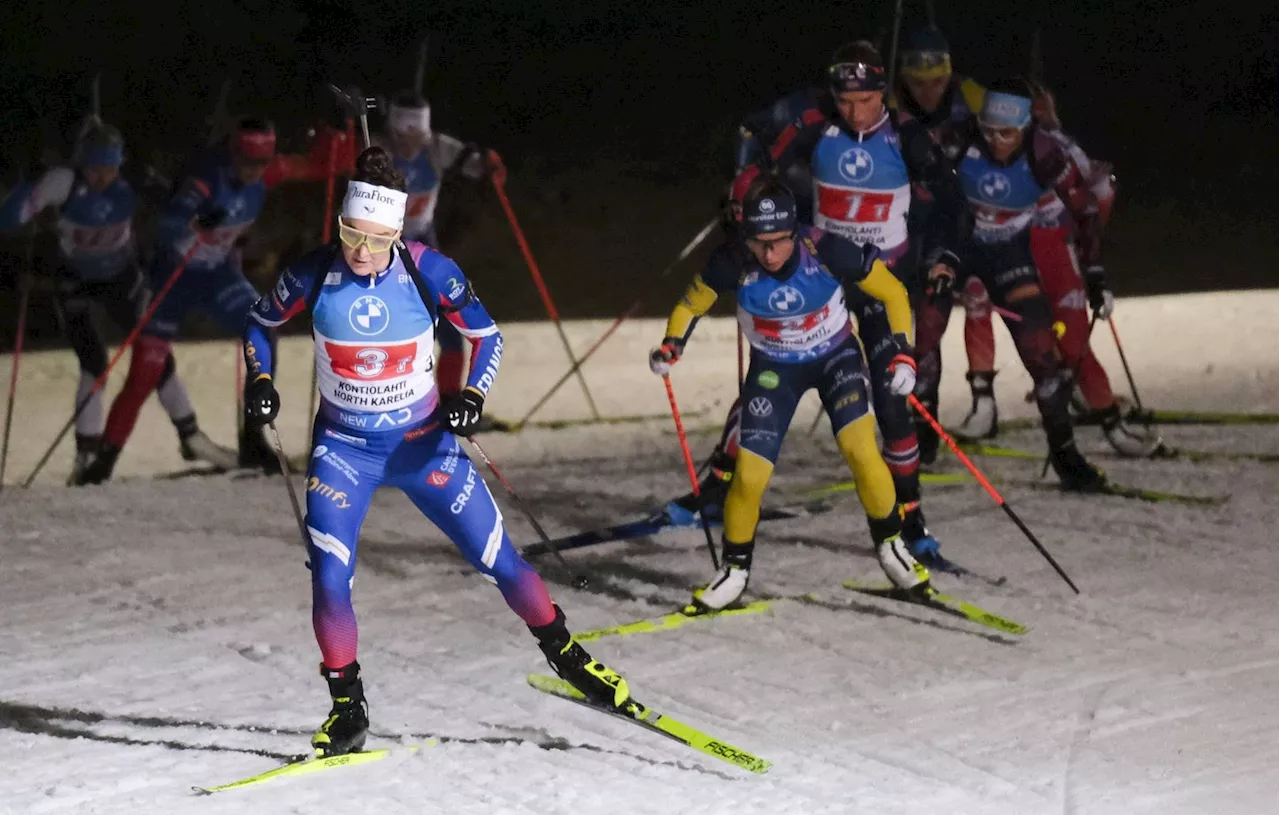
{"points": [[157, 633]]}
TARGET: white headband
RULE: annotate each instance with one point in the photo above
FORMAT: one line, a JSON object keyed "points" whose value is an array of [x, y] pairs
{"points": [[369, 202], [402, 119]]}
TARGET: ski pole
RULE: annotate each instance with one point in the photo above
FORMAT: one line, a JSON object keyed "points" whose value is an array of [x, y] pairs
{"points": [[125, 346], [1125, 362], [24, 298], [742, 372], [288, 482], [893, 44], [688, 463], [326, 234], [579, 580], [498, 176], [995, 496], [626, 315], [546, 397]]}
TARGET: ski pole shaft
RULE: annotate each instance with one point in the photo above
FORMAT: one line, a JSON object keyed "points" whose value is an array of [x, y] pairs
{"points": [[742, 371], [986, 485], [125, 346], [23, 300], [500, 186], [626, 315], [689, 465], [1128, 372], [546, 397], [326, 234], [288, 483], [893, 43], [579, 580]]}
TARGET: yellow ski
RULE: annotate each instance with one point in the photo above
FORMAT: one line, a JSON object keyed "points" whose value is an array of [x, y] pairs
{"points": [[943, 602], [309, 765], [667, 622], [653, 720]]}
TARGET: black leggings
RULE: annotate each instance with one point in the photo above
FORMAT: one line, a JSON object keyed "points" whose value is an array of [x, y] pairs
{"points": [[124, 298], [1009, 274]]}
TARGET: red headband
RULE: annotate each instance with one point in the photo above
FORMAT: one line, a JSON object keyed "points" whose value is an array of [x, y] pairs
{"points": [[256, 145]]}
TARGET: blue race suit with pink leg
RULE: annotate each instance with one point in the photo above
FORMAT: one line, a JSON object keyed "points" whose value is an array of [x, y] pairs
{"points": [[376, 426]]}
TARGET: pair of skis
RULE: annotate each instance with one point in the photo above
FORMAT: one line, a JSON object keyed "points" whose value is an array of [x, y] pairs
{"points": [[1164, 417], [1110, 488], [632, 711], [668, 519], [929, 597]]}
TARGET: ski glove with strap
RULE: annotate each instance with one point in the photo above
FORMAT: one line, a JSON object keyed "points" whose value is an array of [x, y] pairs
{"points": [[902, 369], [462, 412], [1101, 300], [261, 402], [664, 356]]}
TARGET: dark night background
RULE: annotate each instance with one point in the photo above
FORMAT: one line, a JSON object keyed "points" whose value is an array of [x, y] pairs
{"points": [[616, 120]]}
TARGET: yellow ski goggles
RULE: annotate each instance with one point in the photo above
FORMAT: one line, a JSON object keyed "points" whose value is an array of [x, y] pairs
{"points": [[354, 238]]}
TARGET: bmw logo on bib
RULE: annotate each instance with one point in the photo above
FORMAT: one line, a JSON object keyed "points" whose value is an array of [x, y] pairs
{"points": [[856, 164], [369, 315], [994, 186], [786, 300]]}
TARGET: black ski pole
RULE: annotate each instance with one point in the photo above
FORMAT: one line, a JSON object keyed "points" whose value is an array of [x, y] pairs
{"points": [[24, 298], [1127, 371], [125, 346], [288, 482], [579, 581]]}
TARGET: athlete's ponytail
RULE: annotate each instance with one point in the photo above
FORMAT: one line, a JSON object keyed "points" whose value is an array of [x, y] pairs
{"points": [[375, 166]]}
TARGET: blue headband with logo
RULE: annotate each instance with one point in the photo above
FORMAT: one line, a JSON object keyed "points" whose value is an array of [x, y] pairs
{"points": [[1005, 110], [769, 213]]}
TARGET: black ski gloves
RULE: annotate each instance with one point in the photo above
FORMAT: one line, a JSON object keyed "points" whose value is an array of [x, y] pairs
{"points": [[261, 402], [462, 412]]}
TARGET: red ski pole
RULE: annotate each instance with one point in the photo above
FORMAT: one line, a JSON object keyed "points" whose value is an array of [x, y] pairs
{"points": [[986, 485], [688, 463], [626, 315], [125, 346], [499, 177]]}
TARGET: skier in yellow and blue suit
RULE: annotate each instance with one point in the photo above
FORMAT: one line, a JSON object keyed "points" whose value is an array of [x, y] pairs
{"points": [[790, 288]]}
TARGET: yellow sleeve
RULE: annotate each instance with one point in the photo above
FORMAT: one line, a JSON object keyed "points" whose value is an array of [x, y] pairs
{"points": [[974, 94], [697, 301], [882, 285]]}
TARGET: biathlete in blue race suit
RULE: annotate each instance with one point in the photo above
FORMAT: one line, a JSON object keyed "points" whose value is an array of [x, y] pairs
{"points": [[790, 289], [375, 303]]}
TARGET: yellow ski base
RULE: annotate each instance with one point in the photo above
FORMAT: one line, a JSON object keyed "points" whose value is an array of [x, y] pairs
{"points": [[653, 720], [311, 765], [942, 602], [669, 621]]}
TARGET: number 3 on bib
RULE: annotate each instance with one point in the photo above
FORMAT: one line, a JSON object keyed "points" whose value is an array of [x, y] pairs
{"points": [[372, 362]]}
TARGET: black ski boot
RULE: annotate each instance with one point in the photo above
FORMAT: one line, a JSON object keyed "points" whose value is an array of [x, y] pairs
{"points": [[348, 723], [600, 684], [101, 467], [1074, 470], [712, 491], [86, 449]]}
